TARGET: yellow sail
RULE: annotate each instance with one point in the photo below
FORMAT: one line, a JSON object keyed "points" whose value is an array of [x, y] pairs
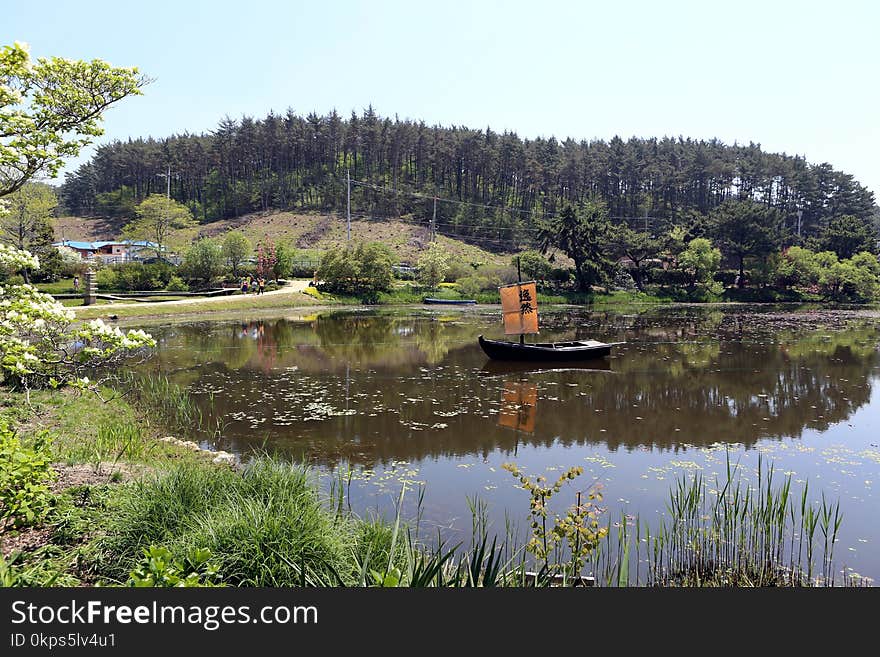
{"points": [[519, 307]]}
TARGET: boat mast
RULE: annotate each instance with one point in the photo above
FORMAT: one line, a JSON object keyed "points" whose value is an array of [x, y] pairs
{"points": [[519, 280]]}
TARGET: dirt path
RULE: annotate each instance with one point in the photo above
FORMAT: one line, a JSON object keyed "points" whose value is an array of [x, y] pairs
{"points": [[290, 287]]}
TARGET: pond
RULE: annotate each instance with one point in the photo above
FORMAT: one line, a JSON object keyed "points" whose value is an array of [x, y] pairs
{"points": [[408, 396]]}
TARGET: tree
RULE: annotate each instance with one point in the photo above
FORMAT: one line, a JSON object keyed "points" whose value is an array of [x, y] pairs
{"points": [[27, 225], [266, 257], [283, 266], [700, 260], [236, 249], [847, 235], [582, 234], [203, 263], [51, 108], [433, 265], [157, 216], [746, 229], [365, 269], [797, 268], [637, 247]]}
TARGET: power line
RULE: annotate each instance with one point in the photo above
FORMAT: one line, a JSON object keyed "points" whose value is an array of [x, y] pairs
{"points": [[503, 208]]}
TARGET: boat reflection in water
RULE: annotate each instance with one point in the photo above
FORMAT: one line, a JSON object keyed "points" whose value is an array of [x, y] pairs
{"points": [[505, 367], [519, 403]]}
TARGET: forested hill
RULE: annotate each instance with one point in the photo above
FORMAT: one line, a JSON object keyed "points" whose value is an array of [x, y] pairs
{"points": [[484, 179]]}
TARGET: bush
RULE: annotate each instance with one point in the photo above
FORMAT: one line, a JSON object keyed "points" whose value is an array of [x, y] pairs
{"points": [[534, 266], [471, 286], [364, 270], [177, 284], [106, 278], [203, 264], [432, 266], [458, 269], [131, 276], [25, 472]]}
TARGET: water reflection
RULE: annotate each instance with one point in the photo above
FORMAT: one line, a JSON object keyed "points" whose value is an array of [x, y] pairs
{"points": [[519, 402], [375, 388]]}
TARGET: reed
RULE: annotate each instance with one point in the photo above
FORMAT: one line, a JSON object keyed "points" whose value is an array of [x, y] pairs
{"points": [[730, 531]]}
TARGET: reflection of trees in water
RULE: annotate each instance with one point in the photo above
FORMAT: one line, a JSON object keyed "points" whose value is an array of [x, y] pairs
{"points": [[326, 343], [672, 384]]}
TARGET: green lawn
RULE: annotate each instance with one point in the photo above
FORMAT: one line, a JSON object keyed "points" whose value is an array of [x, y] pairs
{"points": [[63, 286]]}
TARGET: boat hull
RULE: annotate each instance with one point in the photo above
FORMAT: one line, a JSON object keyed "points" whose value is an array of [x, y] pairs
{"points": [[547, 353], [450, 302]]}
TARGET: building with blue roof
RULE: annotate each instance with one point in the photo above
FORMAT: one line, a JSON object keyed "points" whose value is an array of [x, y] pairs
{"points": [[112, 252]]}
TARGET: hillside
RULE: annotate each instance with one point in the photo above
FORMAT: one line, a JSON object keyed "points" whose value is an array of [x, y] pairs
{"points": [[477, 183], [303, 231]]}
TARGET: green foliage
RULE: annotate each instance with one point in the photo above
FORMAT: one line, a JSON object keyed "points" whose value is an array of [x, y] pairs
{"points": [[582, 234], [363, 270], [699, 261], [203, 263], [27, 224], [852, 279], [176, 284], [159, 568], [236, 249], [157, 216], [51, 108], [534, 265], [25, 472], [578, 529], [131, 276], [264, 526], [846, 236], [797, 267], [471, 286], [284, 258], [433, 265]]}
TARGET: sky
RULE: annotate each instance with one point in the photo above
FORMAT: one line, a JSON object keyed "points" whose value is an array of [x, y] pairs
{"points": [[795, 77]]}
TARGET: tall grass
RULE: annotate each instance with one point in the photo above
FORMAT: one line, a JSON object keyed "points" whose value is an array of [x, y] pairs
{"points": [[174, 405], [727, 532], [266, 526]]}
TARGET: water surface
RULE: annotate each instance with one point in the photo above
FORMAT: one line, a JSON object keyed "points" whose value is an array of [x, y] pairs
{"points": [[408, 396]]}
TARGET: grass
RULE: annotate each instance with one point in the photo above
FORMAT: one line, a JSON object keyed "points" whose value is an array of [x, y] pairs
{"points": [[265, 526], [61, 286]]}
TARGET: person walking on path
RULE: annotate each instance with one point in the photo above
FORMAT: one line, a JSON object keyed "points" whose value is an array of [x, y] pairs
{"points": [[261, 285], [76, 284]]}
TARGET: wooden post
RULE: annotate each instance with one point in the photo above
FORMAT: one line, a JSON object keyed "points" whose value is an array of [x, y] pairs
{"points": [[90, 288]]}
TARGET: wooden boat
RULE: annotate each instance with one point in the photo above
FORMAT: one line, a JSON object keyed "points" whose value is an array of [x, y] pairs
{"points": [[455, 302], [555, 352], [519, 311]]}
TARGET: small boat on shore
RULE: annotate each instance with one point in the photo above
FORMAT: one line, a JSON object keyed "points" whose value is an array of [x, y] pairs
{"points": [[556, 352], [454, 302]]}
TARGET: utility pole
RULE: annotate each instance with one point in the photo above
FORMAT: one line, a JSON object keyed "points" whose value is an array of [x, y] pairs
{"points": [[434, 221], [168, 183], [348, 203], [800, 213]]}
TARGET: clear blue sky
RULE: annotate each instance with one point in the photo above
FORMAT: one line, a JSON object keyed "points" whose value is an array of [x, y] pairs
{"points": [[798, 77]]}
